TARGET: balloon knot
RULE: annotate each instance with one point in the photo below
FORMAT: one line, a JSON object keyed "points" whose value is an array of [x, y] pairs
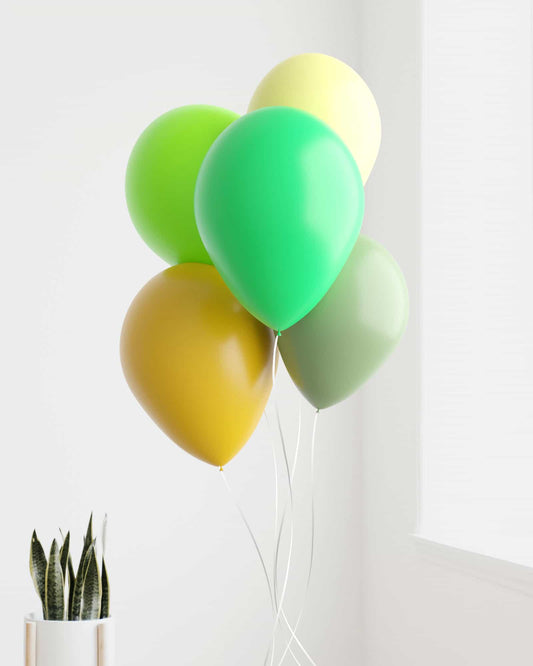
{"points": [[221, 469], [279, 333]]}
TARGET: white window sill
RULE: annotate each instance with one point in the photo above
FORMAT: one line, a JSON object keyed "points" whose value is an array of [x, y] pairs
{"points": [[498, 571]]}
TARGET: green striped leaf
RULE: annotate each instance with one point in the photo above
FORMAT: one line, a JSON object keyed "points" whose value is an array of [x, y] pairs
{"points": [[77, 589], [88, 591], [79, 583], [89, 536], [54, 586], [64, 555], [104, 610], [92, 590], [38, 568], [71, 583]]}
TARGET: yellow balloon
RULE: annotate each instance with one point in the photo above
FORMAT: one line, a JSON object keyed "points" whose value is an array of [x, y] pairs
{"points": [[329, 89], [197, 361]]}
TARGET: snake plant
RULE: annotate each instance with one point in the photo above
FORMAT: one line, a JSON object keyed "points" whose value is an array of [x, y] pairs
{"points": [[67, 594]]}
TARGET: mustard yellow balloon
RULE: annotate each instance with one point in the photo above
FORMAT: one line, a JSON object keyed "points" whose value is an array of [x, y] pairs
{"points": [[333, 91], [197, 361]]}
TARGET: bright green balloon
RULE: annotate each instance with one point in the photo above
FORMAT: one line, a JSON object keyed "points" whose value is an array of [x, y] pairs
{"points": [[279, 203], [161, 177], [353, 329]]}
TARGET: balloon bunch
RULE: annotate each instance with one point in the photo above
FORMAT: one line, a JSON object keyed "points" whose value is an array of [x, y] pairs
{"points": [[260, 217]]}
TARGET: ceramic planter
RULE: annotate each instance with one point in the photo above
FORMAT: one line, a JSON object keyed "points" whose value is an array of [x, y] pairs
{"points": [[83, 643]]}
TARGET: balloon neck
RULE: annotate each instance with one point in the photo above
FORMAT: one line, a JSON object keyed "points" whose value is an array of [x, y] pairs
{"points": [[221, 469], [278, 333]]}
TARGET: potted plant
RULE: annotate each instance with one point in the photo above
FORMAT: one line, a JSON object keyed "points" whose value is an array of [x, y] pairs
{"points": [[75, 627]]}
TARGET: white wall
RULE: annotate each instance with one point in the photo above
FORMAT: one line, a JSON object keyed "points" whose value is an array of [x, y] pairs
{"points": [[476, 276], [417, 610], [80, 81]]}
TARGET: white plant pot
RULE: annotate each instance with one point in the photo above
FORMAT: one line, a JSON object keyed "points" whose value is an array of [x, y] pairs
{"points": [[83, 643]]}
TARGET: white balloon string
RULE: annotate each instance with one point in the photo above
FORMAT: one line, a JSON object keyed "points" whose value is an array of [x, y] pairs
{"points": [[276, 487], [252, 536], [295, 460], [291, 538], [280, 531], [272, 646], [292, 630], [276, 558], [297, 448], [274, 359], [276, 538], [313, 449], [277, 535], [276, 609], [311, 556], [276, 484]]}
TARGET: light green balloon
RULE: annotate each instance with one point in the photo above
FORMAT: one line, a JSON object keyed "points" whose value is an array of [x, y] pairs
{"points": [[161, 177], [354, 328]]}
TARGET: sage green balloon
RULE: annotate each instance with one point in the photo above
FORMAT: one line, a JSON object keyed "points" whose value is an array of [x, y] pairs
{"points": [[161, 177], [354, 328]]}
